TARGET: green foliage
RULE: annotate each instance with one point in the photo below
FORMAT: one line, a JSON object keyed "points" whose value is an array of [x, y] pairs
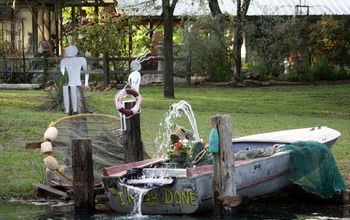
{"points": [[106, 36], [321, 70], [300, 73], [256, 70], [268, 44], [54, 100], [341, 73], [4, 46], [208, 44], [330, 37]]}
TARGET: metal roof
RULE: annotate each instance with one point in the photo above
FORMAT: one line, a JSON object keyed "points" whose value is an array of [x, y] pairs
{"points": [[256, 8]]}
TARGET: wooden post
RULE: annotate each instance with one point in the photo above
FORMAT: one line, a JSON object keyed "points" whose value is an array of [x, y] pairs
{"points": [[224, 183], [45, 68], [80, 100], [188, 69], [106, 68], [83, 178], [133, 144]]}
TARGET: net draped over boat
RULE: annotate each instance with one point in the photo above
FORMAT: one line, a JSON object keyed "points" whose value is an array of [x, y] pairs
{"points": [[106, 139], [313, 167]]}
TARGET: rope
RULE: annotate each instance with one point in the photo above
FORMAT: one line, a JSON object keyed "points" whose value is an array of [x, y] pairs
{"points": [[53, 124]]}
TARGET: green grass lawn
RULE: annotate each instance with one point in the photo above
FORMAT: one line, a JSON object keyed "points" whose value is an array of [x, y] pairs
{"points": [[253, 110]]}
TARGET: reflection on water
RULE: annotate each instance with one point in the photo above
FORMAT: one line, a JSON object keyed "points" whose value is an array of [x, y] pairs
{"points": [[259, 209]]}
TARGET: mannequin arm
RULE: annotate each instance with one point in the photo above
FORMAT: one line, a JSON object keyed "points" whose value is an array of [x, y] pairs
{"points": [[62, 66]]}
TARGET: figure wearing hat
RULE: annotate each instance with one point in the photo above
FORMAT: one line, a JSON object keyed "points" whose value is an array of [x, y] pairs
{"points": [[73, 65]]}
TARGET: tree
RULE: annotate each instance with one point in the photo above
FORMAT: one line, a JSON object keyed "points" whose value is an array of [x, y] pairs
{"points": [[242, 10], [168, 11], [214, 8]]}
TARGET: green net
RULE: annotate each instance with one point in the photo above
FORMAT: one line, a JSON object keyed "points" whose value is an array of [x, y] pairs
{"points": [[313, 167]]}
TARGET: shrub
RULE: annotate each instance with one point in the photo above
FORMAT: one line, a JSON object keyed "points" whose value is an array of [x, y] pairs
{"points": [[300, 73], [321, 70]]}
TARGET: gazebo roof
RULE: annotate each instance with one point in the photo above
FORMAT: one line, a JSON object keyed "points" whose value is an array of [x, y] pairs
{"points": [[256, 8]]}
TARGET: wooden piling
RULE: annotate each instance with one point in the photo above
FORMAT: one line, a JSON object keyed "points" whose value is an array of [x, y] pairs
{"points": [[133, 144], [224, 184], [83, 178], [80, 100]]}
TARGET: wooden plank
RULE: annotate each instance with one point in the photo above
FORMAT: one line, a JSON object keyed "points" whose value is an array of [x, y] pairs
{"points": [[19, 86], [164, 172], [83, 178], [120, 170], [195, 171], [55, 192], [33, 144], [342, 197]]}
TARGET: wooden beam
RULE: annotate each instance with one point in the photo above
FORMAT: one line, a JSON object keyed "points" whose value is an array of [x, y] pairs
{"points": [[224, 184], [44, 190], [133, 145], [120, 170], [33, 144], [83, 178]]}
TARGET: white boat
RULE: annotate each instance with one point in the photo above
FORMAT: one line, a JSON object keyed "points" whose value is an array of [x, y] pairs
{"points": [[191, 189], [322, 134]]}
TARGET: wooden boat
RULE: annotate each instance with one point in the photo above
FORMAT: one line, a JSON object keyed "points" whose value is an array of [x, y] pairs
{"points": [[320, 134], [191, 189], [192, 192]]}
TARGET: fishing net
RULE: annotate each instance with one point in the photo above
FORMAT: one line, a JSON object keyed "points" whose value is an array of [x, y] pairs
{"points": [[313, 167], [104, 132]]}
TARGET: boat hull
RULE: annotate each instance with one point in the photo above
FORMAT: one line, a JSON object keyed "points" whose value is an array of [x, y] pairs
{"points": [[321, 134], [194, 193], [185, 196]]}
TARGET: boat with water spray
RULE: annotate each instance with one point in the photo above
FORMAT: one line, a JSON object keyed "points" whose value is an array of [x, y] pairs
{"points": [[184, 186]]}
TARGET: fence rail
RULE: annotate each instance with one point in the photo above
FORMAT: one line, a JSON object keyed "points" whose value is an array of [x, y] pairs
{"points": [[24, 69]]}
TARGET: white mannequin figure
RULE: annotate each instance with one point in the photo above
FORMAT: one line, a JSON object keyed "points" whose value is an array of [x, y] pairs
{"points": [[73, 65], [134, 78], [286, 64]]}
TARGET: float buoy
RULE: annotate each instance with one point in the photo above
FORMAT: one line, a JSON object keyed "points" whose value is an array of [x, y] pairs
{"points": [[50, 133], [119, 105]]}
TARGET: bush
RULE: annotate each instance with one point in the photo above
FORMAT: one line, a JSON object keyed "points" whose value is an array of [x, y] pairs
{"points": [[256, 70], [321, 70], [208, 45], [340, 73], [300, 73]]}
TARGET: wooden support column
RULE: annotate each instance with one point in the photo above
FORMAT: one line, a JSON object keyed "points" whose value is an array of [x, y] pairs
{"points": [[106, 77], [133, 145], [35, 29], [224, 183], [188, 68], [81, 106], [83, 178]]}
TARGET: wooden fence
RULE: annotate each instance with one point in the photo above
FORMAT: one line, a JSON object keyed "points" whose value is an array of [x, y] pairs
{"points": [[27, 69]]}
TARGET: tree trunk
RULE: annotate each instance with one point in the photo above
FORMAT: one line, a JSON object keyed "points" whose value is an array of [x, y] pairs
{"points": [[242, 10], [168, 48], [238, 40], [214, 8]]}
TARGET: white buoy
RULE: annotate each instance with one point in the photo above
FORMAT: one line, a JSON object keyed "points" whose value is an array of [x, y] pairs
{"points": [[46, 147], [51, 163], [50, 134]]}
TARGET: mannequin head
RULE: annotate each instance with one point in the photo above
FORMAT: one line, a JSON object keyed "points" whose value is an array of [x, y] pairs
{"points": [[71, 51], [135, 65]]}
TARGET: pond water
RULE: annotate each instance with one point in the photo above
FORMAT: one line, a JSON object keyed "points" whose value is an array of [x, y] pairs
{"points": [[268, 208]]}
